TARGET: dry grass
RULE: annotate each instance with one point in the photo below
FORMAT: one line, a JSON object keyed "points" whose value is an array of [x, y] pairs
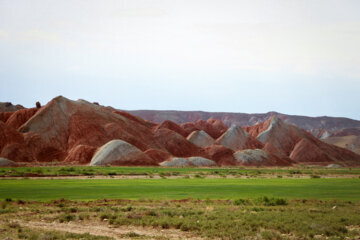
{"points": [[268, 218]]}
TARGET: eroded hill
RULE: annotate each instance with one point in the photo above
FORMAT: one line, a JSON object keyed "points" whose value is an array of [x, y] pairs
{"points": [[85, 133]]}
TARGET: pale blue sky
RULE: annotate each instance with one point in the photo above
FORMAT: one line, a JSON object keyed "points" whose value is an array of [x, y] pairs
{"points": [[295, 57]]}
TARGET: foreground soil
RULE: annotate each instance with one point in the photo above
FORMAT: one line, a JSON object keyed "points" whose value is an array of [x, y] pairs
{"points": [[261, 218]]}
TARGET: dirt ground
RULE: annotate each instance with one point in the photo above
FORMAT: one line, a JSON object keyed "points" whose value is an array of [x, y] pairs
{"points": [[121, 232]]}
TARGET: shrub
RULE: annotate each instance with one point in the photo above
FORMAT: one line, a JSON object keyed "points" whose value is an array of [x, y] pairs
{"points": [[132, 235], [84, 216], [14, 225], [73, 210], [241, 202], [280, 201], [257, 209], [67, 218], [272, 201], [151, 213], [39, 171], [105, 216], [165, 225], [271, 235], [185, 227]]}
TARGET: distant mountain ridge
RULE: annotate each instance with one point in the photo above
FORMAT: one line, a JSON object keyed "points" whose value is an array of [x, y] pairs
{"points": [[321, 127], [315, 125], [9, 107]]}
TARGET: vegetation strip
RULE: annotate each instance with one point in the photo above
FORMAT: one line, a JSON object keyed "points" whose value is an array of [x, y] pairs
{"points": [[49, 171], [221, 188], [259, 218]]}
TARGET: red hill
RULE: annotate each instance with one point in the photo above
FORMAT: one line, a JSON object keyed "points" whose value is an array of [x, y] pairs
{"points": [[76, 131]]}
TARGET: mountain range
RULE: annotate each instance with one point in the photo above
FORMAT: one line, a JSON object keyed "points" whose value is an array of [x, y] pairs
{"points": [[317, 125], [80, 132]]}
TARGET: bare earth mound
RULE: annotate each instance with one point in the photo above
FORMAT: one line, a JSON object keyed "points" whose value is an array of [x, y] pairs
{"points": [[236, 138], [7, 163], [188, 162], [118, 152], [350, 142], [200, 139]]}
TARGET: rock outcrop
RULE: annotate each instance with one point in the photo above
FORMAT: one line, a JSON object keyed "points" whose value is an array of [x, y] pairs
{"points": [[200, 139], [258, 157], [189, 162], [63, 124], [299, 145], [157, 155], [251, 157], [4, 116], [236, 138], [223, 156], [80, 154], [172, 126], [118, 152], [306, 151], [176, 144], [19, 117], [281, 135], [213, 127], [350, 142], [16, 152], [9, 107], [9, 136], [7, 163]]}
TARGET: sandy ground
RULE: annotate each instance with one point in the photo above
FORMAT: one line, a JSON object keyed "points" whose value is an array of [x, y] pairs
{"points": [[114, 232]]}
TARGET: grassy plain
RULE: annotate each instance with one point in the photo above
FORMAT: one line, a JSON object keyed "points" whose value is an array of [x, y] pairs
{"points": [[202, 188], [179, 203]]}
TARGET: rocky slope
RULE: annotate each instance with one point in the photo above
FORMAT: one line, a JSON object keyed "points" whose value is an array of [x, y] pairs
{"points": [[85, 133], [350, 142], [299, 145], [348, 138]]}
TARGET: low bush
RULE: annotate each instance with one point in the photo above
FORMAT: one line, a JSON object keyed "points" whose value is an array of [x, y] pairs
{"points": [[272, 201], [67, 218], [241, 202]]}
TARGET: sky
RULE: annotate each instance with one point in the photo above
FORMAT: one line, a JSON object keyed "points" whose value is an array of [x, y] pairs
{"points": [[296, 57]]}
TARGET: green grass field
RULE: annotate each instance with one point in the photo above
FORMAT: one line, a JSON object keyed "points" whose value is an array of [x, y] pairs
{"points": [[221, 188]]}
